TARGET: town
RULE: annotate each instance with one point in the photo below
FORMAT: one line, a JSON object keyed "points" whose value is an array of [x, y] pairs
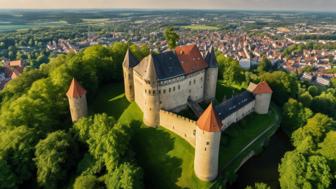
{"points": [[301, 48]]}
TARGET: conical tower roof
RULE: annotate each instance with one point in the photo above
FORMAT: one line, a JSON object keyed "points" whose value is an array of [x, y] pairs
{"points": [[262, 88], [75, 89], [209, 120], [210, 58], [150, 72], [130, 61]]}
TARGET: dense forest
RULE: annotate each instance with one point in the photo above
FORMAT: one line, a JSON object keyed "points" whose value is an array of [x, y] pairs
{"points": [[40, 147]]}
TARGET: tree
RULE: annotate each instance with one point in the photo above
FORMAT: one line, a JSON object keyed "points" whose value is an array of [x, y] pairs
{"points": [[86, 182], [328, 147], [54, 158], [16, 154], [106, 140], [171, 37], [325, 103], [259, 185], [313, 90], [232, 73], [316, 128], [264, 65], [297, 171], [284, 84], [295, 115], [126, 176], [306, 99]]}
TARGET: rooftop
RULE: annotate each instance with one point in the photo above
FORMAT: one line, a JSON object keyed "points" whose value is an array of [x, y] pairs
{"points": [[75, 90], [262, 88], [169, 64], [209, 120], [230, 106]]}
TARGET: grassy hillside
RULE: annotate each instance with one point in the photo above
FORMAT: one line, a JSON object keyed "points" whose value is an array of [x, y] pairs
{"points": [[166, 158]]}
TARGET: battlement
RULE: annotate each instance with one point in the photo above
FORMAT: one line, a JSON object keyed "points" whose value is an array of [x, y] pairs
{"points": [[182, 126]]}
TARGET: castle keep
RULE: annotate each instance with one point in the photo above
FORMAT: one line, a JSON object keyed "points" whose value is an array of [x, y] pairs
{"points": [[168, 82]]}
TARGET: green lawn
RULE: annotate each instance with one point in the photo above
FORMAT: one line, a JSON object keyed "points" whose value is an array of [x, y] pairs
{"points": [[165, 157], [200, 27]]}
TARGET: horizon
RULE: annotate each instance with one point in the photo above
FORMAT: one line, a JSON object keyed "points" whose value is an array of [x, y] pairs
{"points": [[166, 9], [240, 5]]}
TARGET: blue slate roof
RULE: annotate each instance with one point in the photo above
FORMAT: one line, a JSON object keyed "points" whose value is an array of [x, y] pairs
{"points": [[130, 61], [230, 106], [167, 65]]}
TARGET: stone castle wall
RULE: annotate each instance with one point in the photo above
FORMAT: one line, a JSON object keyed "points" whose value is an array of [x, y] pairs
{"points": [[78, 107], [210, 83], [179, 125], [206, 154], [238, 115], [128, 83], [175, 94], [263, 102]]}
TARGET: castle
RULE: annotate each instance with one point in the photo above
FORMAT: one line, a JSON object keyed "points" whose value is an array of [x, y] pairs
{"points": [[164, 83]]}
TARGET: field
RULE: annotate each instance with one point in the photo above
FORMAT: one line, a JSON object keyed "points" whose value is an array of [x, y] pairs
{"points": [[166, 158], [200, 27], [8, 26]]}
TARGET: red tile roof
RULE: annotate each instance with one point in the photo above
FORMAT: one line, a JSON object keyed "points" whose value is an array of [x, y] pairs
{"points": [[16, 63], [262, 88], [75, 90], [190, 58], [209, 120], [15, 74]]}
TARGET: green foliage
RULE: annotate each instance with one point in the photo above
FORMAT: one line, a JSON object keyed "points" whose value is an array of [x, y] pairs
{"points": [[8, 179], [105, 138], [316, 128], [295, 115], [264, 65], [40, 107], [325, 103], [313, 90], [306, 99], [108, 143], [37, 100], [139, 52], [298, 171], [16, 154], [284, 85], [259, 185], [328, 147], [229, 70], [126, 176], [171, 37], [55, 157], [86, 182], [17, 87]]}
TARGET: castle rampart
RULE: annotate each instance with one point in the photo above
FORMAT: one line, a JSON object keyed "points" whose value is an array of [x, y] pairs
{"points": [[179, 125]]}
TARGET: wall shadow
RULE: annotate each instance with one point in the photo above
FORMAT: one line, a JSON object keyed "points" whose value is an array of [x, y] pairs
{"points": [[110, 100], [151, 147]]}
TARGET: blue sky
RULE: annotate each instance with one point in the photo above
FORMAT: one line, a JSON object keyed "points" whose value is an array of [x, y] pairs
{"points": [[317, 5]]}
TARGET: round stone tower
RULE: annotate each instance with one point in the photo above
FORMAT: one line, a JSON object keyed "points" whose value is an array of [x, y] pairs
{"points": [[263, 95], [208, 134], [211, 75], [152, 100], [129, 63], [77, 100]]}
